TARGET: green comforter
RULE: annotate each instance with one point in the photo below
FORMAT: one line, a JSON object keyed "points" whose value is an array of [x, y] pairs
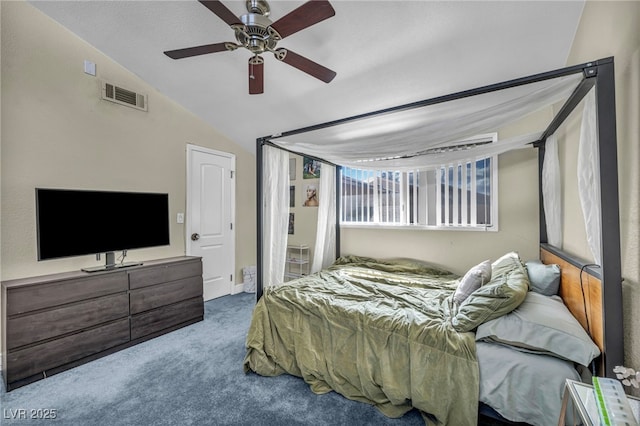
{"points": [[374, 331]]}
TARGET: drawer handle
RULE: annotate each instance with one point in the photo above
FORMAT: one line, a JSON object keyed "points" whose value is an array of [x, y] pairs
{"points": [[195, 236]]}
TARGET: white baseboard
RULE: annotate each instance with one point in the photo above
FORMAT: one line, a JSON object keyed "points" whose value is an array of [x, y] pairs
{"points": [[237, 288]]}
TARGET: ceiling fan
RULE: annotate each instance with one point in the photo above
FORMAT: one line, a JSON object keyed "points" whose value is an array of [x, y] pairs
{"points": [[257, 33]]}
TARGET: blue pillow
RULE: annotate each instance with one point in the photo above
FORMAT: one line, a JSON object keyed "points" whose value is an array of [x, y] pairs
{"points": [[544, 279]]}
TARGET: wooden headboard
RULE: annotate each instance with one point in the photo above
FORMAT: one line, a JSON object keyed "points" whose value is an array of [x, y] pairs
{"points": [[581, 292]]}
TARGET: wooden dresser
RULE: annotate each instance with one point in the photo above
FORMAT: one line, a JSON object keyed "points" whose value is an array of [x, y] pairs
{"points": [[55, 322]]}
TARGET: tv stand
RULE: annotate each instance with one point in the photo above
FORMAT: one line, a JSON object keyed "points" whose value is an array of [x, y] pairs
{"points": [[111, 267], [51, 323], [110, 263]]}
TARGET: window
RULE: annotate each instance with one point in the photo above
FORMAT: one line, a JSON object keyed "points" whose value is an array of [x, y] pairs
{"points": [[460, 195]]}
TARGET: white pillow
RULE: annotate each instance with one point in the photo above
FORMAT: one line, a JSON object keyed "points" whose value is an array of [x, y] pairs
{"points": [[543, 325], [475, 278]]}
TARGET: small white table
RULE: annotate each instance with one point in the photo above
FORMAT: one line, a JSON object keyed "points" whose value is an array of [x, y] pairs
{"points": [[298, 261], [584, 404]]}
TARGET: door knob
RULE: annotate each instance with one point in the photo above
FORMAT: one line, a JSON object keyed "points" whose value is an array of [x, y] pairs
{"points": [[195, 236]]}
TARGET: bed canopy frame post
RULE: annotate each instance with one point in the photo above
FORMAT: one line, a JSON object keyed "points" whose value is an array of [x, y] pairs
{"points": [[338, 195], [259, 216], [611, 268]]}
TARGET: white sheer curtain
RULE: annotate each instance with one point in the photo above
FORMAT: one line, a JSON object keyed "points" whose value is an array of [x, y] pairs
{"points": [[589, 176], [275, 223], [325, 250], [552, 192], [384, 141]]}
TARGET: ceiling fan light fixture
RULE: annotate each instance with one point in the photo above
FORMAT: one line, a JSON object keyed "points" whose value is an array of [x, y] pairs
{"points": [[255, 35]]}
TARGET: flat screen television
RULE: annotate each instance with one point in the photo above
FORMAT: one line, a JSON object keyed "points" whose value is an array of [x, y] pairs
{"points": [[80, 222]]}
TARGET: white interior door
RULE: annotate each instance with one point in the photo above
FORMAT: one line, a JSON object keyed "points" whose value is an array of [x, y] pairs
{"points": [[210, 217]]}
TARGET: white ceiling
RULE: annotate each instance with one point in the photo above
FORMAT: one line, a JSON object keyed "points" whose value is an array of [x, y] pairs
{"points": [[385, 53]]}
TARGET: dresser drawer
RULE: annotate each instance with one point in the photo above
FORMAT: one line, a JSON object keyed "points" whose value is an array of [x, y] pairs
{"points": [[42, 325], [146, 298], [166, 317], [161, 274], [32, 360], [47, 295]]}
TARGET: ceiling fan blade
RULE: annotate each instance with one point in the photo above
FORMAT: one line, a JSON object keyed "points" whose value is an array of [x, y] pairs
{"points": [[306, 65], [197, 50], [256, 75], [222, 12], [308, 14]]}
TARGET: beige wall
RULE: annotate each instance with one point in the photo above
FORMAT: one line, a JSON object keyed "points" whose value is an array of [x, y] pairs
{"points": [[57, 132], [612, 29]]}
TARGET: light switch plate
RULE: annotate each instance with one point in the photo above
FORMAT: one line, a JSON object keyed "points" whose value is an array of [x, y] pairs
{"points": [[90, 67], [180, 218]]}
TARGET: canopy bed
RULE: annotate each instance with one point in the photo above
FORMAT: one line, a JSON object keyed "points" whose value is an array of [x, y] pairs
{"points": [[373, 311]]}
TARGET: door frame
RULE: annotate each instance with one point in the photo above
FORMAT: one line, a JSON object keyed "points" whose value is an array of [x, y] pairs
{"points": [[188, 230]]}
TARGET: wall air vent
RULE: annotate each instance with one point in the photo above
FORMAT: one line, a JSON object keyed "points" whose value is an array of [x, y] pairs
{"points": [[119, 95]]}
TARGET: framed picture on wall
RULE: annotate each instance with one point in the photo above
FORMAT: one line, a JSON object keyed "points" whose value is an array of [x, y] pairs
{"points": [[291, 223], [292, 196], [311, 196], [310, 168], [292, 169]]}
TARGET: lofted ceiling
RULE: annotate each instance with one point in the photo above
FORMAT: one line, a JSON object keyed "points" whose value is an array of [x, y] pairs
{"points": [[385, 53]]}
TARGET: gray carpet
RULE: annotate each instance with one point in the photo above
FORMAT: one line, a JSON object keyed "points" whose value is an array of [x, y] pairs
{"points": [[192, 376]]}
